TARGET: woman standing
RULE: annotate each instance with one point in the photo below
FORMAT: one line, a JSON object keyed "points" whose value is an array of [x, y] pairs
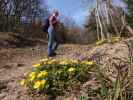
{"points": [[53, 37]]}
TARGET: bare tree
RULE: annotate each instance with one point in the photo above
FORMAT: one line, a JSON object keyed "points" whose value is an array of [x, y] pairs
{"points": [[11, 12], [108, 19]]}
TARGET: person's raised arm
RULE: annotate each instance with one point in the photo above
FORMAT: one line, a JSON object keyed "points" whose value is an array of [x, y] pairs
{"points": [[51, 21]]}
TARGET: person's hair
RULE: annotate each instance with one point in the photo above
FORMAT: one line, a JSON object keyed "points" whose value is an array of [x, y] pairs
{"points": [[56, 12]]}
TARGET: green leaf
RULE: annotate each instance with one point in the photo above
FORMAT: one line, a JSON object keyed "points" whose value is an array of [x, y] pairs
{"points": [[117, 89]]}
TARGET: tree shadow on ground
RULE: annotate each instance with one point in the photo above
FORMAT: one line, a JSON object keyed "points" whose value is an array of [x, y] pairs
{"points": [[21, 41]]}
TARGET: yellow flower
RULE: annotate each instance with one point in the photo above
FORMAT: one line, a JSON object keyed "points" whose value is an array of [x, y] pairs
{"points": [[115, 39], [100, 42], [51, 61], [44, 60], [72, 61], [39, 84], [71, 69], [75, 61], [37, 65], [88, 62], [42, 74], [23, 82], [64, 62], [32, 76]]}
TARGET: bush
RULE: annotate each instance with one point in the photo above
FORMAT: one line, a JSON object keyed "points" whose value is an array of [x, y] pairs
{"points": [[51, 76], [113, 40]]}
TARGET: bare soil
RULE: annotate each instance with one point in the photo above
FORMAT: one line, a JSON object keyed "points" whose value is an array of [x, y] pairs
{"points": [[14, 62]]}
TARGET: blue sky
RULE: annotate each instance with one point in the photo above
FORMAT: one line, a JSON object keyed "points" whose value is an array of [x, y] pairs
{"points": [[74, 8]]}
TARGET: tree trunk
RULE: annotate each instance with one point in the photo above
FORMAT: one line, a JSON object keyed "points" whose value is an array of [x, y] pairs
{"points": [[129, 29]]}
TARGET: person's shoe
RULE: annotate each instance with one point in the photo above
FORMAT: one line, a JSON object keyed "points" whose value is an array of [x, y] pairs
{"points": [[52, 55]]}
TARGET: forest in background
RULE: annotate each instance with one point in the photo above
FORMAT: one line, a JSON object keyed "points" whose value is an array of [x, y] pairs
{"points": [[27, 17]]}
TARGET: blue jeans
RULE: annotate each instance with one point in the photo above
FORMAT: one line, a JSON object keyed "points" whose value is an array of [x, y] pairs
{"points": [[52, 40]]}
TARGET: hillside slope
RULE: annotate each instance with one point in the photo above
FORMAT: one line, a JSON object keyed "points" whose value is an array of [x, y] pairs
{"points": [[16, 61]]}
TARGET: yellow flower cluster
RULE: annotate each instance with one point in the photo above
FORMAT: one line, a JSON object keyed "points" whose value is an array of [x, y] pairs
{"points": [[32, 76], [71, 69], [88, 62], [42, 74], [100, 42], [70, 61], [37, 65], [64, 62], [113, 40], [48, 61], [23, 82], [38, 79], [44, 60], [35, 77], [53, 61], [39, 84]]}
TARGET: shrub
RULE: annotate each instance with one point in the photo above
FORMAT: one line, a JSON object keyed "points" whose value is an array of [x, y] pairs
{"points": [[113, 40], [51, 76]]}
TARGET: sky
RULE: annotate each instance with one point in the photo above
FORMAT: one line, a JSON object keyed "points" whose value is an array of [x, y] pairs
{"points": [[74, 8]]}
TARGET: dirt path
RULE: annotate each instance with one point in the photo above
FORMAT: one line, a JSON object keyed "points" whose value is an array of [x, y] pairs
{"points": [[14, 62]]}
